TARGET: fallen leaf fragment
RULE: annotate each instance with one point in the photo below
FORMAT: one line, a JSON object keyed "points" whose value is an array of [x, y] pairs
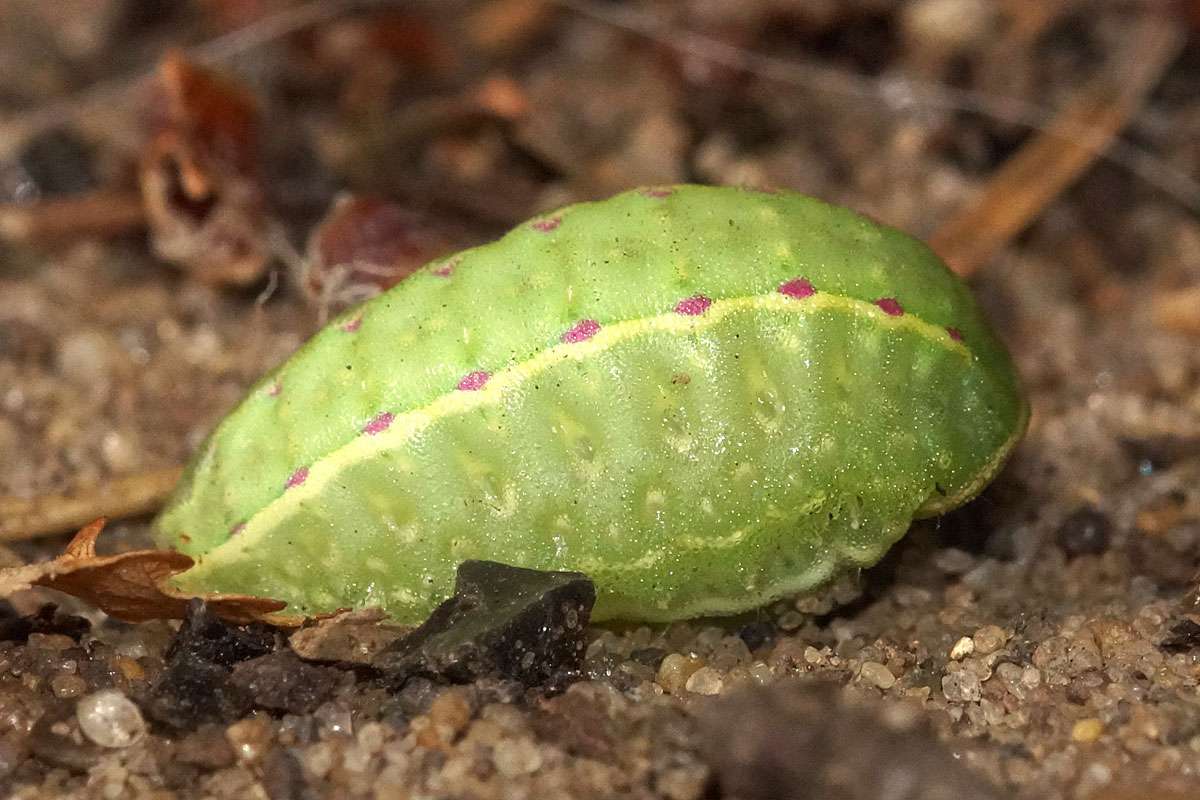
{"points": [[367, 244], [132, 586], [349, 636], [200, 178]]}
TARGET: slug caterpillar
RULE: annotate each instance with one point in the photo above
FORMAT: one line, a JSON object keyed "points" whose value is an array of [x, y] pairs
{"points": [[704, 398]]}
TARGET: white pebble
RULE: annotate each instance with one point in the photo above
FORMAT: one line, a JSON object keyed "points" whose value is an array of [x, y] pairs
{"points": [[705, 680], [110, 719], [962, 648]]}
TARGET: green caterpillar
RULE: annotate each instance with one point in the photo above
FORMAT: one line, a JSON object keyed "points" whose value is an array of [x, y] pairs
{"points": [[704, 398]]}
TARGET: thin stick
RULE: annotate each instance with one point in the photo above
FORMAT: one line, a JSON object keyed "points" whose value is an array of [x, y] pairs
{"points": [[1054, 158], [129, 496], [105, 213]]}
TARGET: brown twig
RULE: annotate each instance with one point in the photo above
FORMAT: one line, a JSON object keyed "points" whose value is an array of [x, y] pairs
{"points": [[104, 213], [1055, 157], [120, 497]]}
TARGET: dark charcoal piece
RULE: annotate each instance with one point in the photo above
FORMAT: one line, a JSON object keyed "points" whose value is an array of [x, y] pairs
{"points": [[1185, 637], [757, 634], [192, 691], [45, 620], [1085, 532], [206, 637], [282, 682], [196, 687], [516, 623], [802, 741]]}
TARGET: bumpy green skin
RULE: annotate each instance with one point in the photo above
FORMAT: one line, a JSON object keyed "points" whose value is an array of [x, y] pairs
{"points": [[692, 458]]}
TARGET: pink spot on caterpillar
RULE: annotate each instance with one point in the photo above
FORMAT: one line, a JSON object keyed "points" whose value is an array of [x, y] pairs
{"points": [[236, 529], [583, 330], [657, 192], [890, 306], [546, 225], [955, 334], [296, 478], [798, 288], [473, 381], [275, 389], [693, 306], [447, 269], [379, 424], [352, 325]]}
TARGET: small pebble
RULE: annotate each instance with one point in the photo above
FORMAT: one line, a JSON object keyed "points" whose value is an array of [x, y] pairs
{"points": [[877, 675], [675, 670], [989, 639], [705, 680], [962, 687], [249, 738], [514, 757], [1087, 730], [67, 686], [110, 719], [962, 648]]}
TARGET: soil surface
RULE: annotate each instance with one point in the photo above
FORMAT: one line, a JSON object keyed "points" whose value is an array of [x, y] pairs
{"points": [[1042, 642]]}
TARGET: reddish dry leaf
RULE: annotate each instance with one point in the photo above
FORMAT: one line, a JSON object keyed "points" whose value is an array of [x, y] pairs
{"points": [[365, 245], [200, 178], [132, 586]]}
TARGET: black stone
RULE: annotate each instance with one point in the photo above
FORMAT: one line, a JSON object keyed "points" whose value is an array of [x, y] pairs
{"points": [[1086, 532], [803, 741], [504, 621]]}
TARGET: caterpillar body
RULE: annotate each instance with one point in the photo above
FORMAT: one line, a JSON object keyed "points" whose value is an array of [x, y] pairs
{"points": [[704, 398]]}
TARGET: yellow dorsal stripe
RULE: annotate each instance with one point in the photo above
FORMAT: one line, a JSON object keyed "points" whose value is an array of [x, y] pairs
{"points": [[407, 424]]}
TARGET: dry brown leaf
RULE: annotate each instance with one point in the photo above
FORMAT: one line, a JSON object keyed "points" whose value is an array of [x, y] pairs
{"points": [[132, 586], [200, 176]]}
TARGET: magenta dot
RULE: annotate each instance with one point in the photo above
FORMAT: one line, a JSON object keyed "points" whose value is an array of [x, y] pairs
{"points": [[955, 334], [236, 529], [798, 288], [693, 306], [546, 225], [352, 325], [447, 269], [275, 389], [473, 381], [890, 306], [296, 478], [583, 330], [380, 423], [657, 192]]}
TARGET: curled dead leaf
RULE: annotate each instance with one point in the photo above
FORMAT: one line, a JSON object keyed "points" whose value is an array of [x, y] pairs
{"points": [[200, 178], [133, 586]]}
